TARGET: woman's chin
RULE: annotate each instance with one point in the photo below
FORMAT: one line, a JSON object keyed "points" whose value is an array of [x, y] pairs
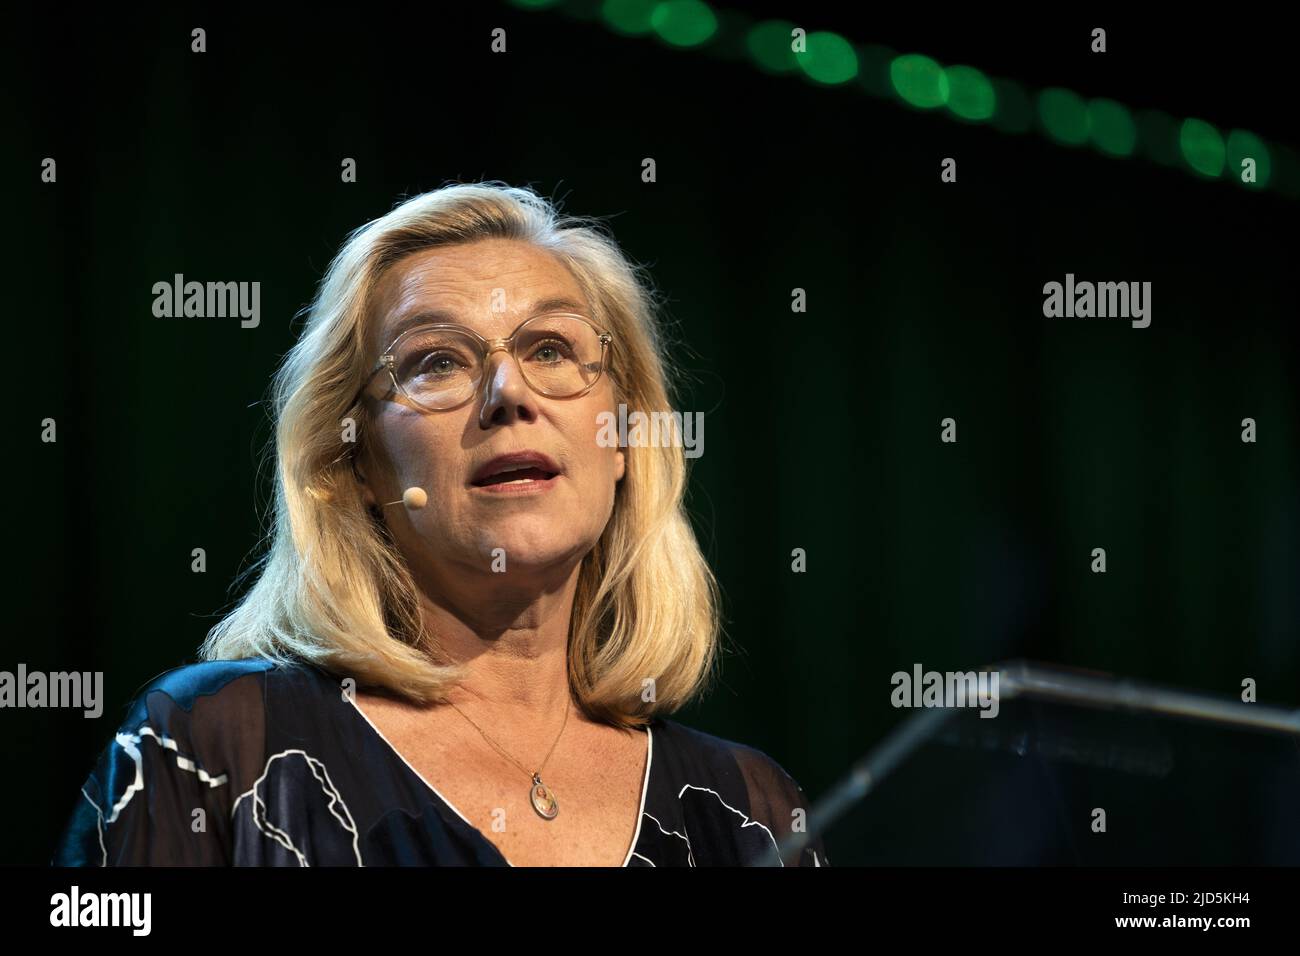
{"points": [[513, 556]]}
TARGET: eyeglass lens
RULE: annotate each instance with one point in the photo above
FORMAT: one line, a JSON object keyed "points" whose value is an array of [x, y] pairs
{"points": [[558, 355]]}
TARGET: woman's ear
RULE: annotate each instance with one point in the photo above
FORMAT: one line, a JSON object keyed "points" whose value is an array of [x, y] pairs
{"points": [[367, 492]]}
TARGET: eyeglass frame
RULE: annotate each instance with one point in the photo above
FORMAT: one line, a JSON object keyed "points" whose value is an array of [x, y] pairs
{"points": [[487, 346]]}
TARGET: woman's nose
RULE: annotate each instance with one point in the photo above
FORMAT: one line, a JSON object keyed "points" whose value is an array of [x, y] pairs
{"points": [[506, 396]]}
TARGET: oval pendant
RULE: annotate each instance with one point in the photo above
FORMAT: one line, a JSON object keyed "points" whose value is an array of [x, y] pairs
{"points": [[544, 801]]}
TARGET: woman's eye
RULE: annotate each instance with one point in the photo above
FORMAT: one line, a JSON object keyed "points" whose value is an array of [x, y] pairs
{"points": [[552, 351], [436, 364]]}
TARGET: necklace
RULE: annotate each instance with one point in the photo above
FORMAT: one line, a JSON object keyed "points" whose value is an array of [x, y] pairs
{"points": [[539, 794]]}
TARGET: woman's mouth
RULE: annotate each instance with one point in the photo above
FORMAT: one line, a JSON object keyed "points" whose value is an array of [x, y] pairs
{"points": [[524, 481], [517, 473]]}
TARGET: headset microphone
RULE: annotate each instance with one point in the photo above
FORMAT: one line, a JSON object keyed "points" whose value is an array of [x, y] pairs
{"points": [[414, 498]]}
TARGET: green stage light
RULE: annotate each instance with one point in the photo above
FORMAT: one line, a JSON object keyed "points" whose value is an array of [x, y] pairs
{"points": [[1243, 145], [1064, 116], [828, 59], [873, 70], [1286, 166], [919, 80], [1158, 137], [1202, 147], [684, 23], [970, 94], [769, 46], [629, 17], [1112, 128], [1014, 112]]}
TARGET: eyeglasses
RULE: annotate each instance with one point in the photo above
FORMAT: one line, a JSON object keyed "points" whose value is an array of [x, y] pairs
{"points": [[440, 367]]}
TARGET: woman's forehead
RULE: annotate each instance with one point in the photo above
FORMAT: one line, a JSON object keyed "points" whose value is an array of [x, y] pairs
{"points": [[480, 289]]}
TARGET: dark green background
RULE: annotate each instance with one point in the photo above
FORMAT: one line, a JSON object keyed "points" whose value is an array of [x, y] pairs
{"points": [[821, 430]]}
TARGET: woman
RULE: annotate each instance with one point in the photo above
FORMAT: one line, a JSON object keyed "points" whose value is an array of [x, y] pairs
{"points": [[474, 614]]}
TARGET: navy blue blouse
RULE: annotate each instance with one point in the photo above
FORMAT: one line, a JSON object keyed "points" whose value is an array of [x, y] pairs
{"points": [[288, 771]]}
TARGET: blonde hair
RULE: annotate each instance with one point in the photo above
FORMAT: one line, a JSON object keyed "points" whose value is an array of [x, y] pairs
{"points": [[335, 592]]}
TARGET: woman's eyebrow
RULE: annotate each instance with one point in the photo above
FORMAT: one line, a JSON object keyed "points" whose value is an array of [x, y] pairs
{"points": [[430, 316], [421, 317]]}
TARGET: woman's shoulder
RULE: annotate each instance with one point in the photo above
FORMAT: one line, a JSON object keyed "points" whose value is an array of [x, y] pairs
{"points": [[192, 701], [186, 684], [704, 769], [697, 754], [231, 686], [711, 749], [192, 738], [212, 718]]}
